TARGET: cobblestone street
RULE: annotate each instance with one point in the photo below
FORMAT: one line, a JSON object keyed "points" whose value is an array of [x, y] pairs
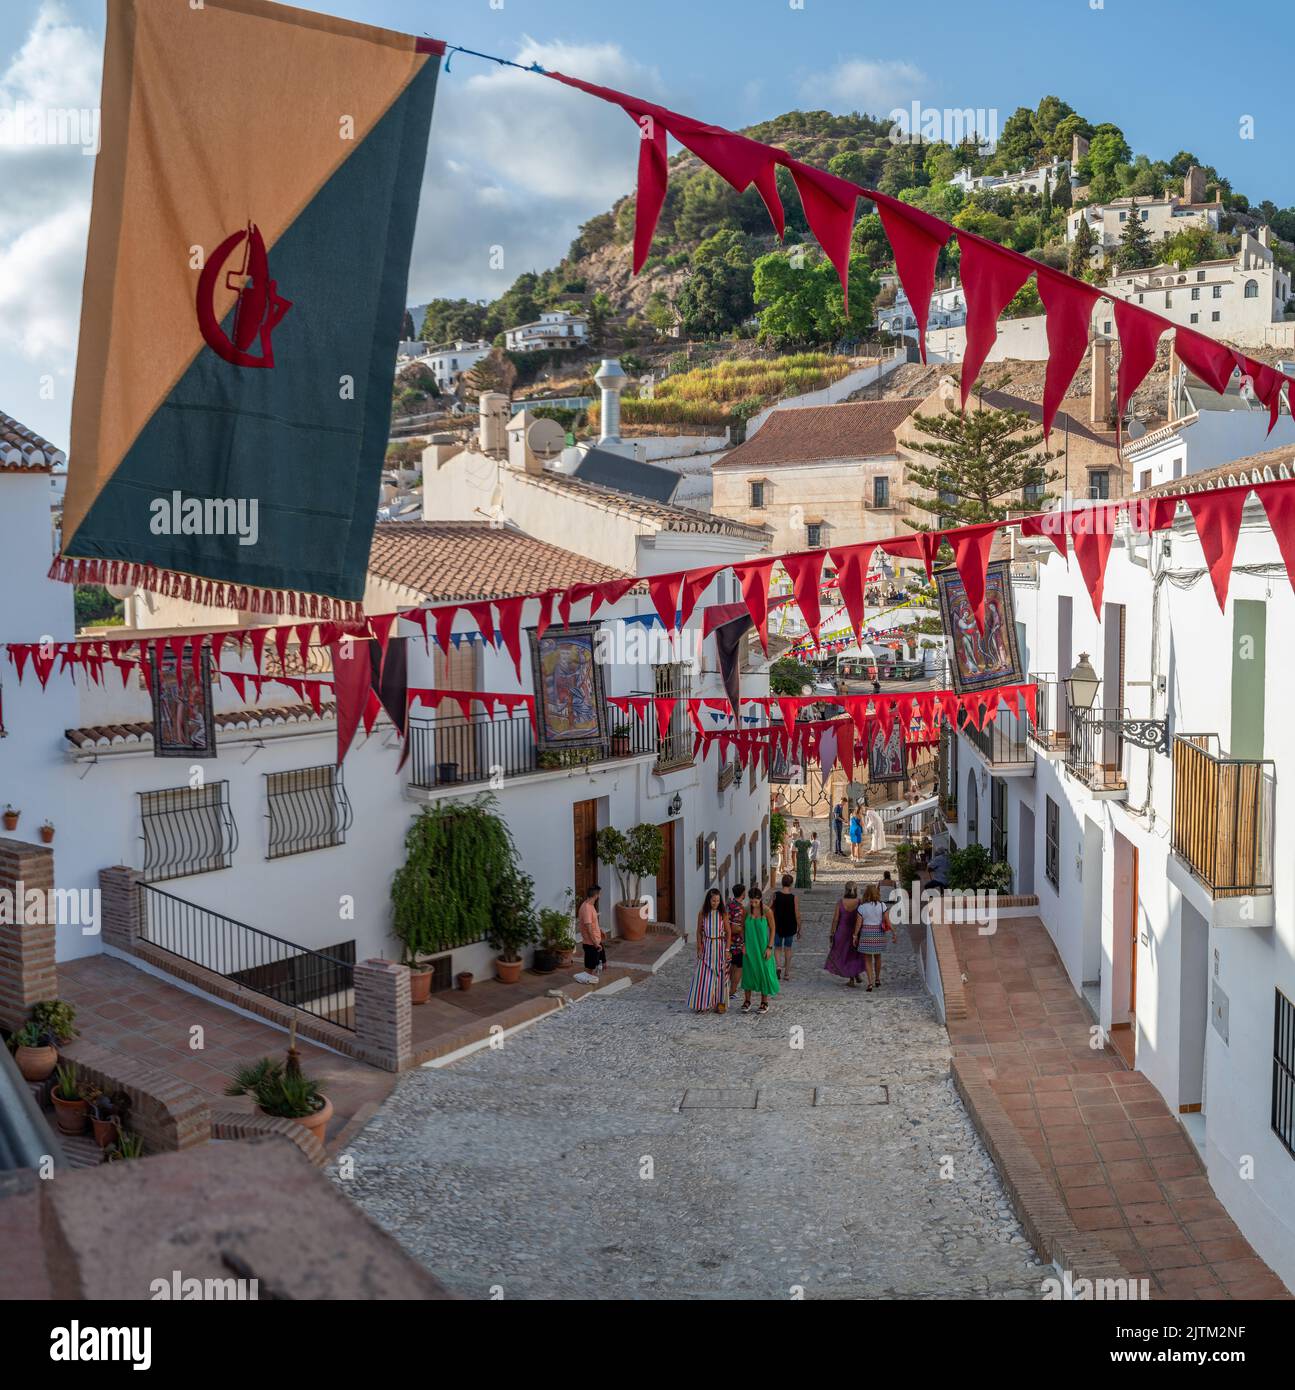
{"points": [[626, 1148]]}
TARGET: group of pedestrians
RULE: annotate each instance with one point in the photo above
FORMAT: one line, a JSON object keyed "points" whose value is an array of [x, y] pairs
{"points": [[855, 824], [747, 943]]}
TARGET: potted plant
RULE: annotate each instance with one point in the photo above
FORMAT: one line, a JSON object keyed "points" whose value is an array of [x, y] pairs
{"points": [[47, 832], [514, 926], [634, 855], [447, 774], [11, 818], [108, 1113], [464, 979], [284, 1093], [620, 741], [35, 1050], [70, 1106], [556, 935], [57, 1016], [127, 1146]]}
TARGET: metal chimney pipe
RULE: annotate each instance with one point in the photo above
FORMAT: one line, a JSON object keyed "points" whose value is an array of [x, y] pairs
{"points": [[611, 382]]}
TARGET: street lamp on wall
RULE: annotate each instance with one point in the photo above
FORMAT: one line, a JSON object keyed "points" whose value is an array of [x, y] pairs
{"points": [[1081, 684], [1081, 693], [676, 804]]}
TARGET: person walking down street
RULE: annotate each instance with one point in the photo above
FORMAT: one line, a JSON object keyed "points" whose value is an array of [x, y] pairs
{"points": [[803, 876], [813, 855], [838, 826], [842, 958], [856, 834], [873, 934], [786, 926], [758, 970], [736, 923], [591, 937], [710, 982]]}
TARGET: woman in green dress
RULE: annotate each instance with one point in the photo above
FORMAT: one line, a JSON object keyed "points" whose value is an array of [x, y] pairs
{"points": [[758, 970], [803, 878]]}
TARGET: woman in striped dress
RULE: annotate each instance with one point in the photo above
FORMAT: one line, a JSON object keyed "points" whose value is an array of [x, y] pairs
{"points": [[711, 981], [873, 934]]}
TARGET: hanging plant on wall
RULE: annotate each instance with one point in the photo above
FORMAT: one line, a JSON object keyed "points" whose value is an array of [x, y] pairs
{"points": [[458, 857]]}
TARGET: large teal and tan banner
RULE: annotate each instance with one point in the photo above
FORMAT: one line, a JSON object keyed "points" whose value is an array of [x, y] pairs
{"points": [[254, 206]]}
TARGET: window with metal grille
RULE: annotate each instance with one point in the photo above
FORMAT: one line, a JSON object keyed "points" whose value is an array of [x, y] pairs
{"points": [[997, 819], [814, 535], [881, 492], [1052, 843], [308, 809], [187, 830], [1283, 1118], [757, 495], [674, 682]]}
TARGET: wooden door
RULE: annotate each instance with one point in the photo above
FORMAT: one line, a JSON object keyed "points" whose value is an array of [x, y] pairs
{"points": [[584, 816], [665, 877]]}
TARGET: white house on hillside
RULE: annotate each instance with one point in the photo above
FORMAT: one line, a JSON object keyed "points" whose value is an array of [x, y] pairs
{"points": [[553, 329]]}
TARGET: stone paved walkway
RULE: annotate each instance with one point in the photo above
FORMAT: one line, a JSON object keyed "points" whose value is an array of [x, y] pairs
{"points": [[625, 1148]]}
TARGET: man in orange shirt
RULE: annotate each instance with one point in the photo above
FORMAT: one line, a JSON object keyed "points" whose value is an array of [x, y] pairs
{"points": [[591, 937]]}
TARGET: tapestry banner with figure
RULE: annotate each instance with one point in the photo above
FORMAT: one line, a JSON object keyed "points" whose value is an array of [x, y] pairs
{"points": [[183, 726], [570, 709], [980, 659]]}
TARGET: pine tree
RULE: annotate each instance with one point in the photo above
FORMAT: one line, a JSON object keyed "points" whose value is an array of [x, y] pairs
{"points": [[1081, 249], [1135, 251], [985, 458]]}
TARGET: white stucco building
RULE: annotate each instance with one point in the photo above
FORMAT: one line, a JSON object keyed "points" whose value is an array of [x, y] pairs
{"points": [[553, 329], [1025, 181], [1162, 217], [449, 361], [1159, 872]]}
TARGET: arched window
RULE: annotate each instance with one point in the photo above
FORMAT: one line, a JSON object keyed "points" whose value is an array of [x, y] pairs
{"points": [[973, 810], [1252, 289]]}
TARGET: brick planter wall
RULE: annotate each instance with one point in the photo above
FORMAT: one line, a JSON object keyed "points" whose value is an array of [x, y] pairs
{"points": [[27, 970], [119, 903], [167, 1113]]}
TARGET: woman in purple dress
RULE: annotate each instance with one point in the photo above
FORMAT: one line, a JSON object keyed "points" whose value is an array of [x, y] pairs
{"points": [[843, 959]]}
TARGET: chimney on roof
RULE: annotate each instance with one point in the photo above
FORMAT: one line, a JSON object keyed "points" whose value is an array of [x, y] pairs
{"points": [[493, 408], [1194, 185], [1265, 235], [1099, 410], [611, 382]]}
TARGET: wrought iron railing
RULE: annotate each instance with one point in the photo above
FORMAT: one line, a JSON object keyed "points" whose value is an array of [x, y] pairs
{"points": [[1002, 742], [1223, 816], [187, 830], [1051, 717], [1095, 753], [450, 750], [317, 983]]}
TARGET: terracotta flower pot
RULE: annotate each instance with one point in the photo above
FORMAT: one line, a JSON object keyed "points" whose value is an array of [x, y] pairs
{"points": [[70, 1115], [36, 1063], [316, 1123], [11, 820], [631, 921], [509, 971], [47, 834], [565, 958], [420, 986], [105, 1131], [464, 979]]}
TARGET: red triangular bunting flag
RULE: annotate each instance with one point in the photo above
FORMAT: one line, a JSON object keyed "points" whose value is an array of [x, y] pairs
{"points": [[1069, 308], [990, 277], [1139, 332], [1217, 515], [806, 572], [971, 547]]}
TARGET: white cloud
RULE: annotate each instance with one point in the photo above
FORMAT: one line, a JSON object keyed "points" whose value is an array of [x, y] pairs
{"points": [[44, 215], [871, 87], [518, 161]]}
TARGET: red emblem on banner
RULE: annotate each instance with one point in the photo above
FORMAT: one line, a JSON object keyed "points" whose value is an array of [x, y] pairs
{"points": [[260, 307]]}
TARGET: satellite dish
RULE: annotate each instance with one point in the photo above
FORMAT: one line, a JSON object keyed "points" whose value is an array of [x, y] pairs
{"points": [[119, 591], [545, 438]]}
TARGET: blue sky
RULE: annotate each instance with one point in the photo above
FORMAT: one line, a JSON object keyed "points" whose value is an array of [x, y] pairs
{"points": [[518, 162]]}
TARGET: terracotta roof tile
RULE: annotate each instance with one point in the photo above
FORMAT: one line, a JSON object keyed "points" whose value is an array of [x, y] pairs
{"points": [[108, 735], [24, 448], [672, 516], [474, 559], [822, 433]]}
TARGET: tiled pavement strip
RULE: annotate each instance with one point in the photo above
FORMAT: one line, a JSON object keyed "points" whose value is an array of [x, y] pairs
{"points": [[1102, 1136]]}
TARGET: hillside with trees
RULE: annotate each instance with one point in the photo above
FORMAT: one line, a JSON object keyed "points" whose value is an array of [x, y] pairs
{"points": [[716, 270]]}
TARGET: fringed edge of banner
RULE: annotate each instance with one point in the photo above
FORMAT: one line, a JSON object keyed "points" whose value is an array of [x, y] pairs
{"points": [[212, 593]]}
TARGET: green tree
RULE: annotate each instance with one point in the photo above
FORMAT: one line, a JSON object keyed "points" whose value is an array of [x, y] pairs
{"points": [[1019, 145], [407, 327], [1081, 249], [600, 310], [983, 460], [717, 296], [1135, 251], [658, 312], [447, 320], [801, 301], [495, 372]]}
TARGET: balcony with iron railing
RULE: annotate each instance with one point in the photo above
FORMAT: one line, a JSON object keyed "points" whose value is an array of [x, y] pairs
{"points": [[454, 751], [1004, 743], [1094, 752], [1223, 816], [1050, 730]]}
